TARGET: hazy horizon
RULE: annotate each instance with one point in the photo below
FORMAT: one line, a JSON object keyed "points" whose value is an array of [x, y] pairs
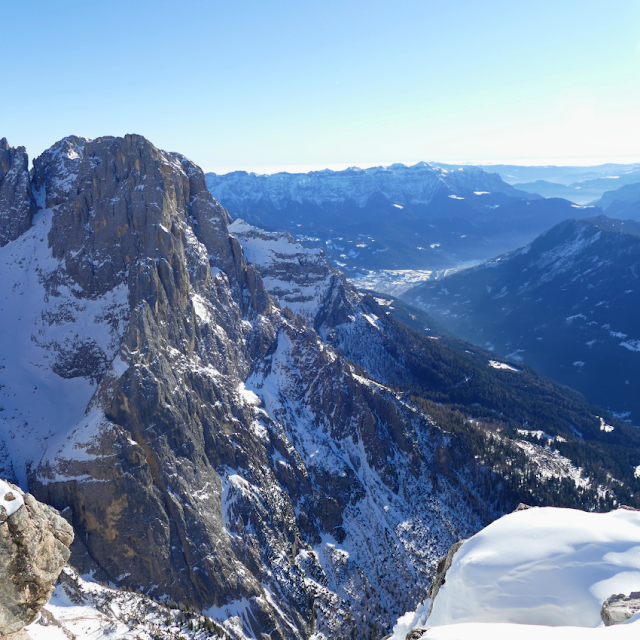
{"points": [[536, 162]]}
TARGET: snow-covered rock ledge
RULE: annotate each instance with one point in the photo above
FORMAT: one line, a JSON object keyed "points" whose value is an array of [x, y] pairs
{"points": [[538, 572]]}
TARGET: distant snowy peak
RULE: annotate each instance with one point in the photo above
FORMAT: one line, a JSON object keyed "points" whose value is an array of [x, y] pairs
{"points": [[397, 183]]}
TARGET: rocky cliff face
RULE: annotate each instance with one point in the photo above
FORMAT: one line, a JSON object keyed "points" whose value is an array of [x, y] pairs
{"points": [[16, 201], [209, 447], [34, 547], [226, 432]]}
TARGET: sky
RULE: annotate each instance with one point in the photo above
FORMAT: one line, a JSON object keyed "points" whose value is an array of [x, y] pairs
{"points": [[300, 85]]}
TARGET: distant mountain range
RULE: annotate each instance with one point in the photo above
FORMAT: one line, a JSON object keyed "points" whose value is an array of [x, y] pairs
{"points": [[421, 217], [512, 173], [566, 304], [352, 196], [623, 202], [581, 185]]}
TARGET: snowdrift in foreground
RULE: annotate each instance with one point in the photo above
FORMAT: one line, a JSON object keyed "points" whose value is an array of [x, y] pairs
{"points": [[540, 566], [502, 631]]}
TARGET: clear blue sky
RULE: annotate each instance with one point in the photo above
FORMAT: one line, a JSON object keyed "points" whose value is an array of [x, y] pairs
{"points": [[262, 84]]}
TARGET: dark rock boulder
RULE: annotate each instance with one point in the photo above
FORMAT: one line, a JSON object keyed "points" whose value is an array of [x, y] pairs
{"points": [[441, 572], [416, 634]]}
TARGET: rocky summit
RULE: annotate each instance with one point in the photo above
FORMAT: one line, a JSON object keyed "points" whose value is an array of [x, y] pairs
{"points": [[228, 424], [205, 442]]}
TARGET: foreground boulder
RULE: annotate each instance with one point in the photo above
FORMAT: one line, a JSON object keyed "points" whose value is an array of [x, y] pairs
{"points": [[619, 608], [34, 547]]}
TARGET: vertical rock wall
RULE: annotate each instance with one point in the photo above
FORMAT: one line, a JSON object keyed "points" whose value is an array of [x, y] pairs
{"points": [[17, 206]]}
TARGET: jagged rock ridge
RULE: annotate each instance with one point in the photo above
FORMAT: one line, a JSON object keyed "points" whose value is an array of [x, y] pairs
{"points": [[180, 478], [16, 202]]}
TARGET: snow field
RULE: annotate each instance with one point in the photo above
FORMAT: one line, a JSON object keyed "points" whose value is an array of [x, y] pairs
{"points": [[534, 573]]}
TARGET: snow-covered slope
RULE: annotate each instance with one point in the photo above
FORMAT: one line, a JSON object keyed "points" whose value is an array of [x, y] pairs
{"points": [[296, 276], [566, 304], [83, 609], [55, 347], [540, 566]]}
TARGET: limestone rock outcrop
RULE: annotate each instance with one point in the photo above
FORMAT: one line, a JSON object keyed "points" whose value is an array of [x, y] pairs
{"points": [[619, 608], [34, 547], [17, 205], [441, 572], [210, 441]]}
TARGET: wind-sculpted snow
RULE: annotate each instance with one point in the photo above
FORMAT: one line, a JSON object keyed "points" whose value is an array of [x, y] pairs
{"points": [[506, 631], [537, 566]]}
